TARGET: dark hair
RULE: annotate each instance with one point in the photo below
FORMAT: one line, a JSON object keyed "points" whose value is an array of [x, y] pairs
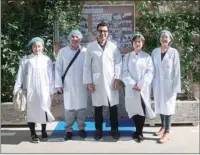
{"points": [[138, 36], [102, 24]]}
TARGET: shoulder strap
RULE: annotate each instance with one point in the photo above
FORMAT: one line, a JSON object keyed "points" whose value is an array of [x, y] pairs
{"points": [[71, 62]]}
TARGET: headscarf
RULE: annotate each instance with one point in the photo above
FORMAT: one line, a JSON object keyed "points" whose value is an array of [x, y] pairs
{"points": [[75, 32], [167, 32], [34, 40], [137, 34]]}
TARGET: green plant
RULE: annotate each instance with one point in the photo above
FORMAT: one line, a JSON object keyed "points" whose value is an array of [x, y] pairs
{"points": [[183, 22], [25, 19]]}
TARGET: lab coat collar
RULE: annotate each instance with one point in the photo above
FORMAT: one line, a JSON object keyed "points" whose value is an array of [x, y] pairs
{"points": [[166, 55], [106, 46]]}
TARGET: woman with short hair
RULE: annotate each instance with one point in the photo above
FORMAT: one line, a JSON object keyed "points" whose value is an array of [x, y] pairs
{"points": [[137, 77], [35, 74]]}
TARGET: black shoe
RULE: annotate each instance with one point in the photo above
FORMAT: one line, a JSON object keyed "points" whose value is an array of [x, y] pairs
{"points": [[34, 138], [140, 138], [115, 134], [44, 135], [98, 135], [68, 136], [82, 134], [135, 135]]}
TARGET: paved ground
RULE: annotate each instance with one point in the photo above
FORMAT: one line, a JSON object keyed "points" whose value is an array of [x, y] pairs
{"points": [[184, 139]]}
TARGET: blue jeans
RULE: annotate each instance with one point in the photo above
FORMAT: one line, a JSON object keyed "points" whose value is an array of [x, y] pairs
{"points": [[166, 122]]}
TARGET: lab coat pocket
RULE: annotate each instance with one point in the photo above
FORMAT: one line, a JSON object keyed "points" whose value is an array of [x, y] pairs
{"points": [[96, 78], [168, 67], [169, 64], [68, 83]]}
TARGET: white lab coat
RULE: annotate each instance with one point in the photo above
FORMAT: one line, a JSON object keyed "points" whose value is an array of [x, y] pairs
{"points": [[75, 92], [101, 67], [167, 81], [36, 75], [138, 70]]}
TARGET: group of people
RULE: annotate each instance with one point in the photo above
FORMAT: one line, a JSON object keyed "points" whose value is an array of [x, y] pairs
{"points": [[98, 70]]}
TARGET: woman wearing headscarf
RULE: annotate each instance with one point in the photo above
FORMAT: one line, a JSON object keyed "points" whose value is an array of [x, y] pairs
{"points": [[166, 82], [35, 74], [137, 77], [74, 91]]}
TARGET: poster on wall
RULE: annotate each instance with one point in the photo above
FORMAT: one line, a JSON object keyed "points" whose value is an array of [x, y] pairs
{"points": [[120, 27], [119, 18], [84, 24]]}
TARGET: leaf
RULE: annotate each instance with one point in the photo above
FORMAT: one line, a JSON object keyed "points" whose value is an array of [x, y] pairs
{"points": [[15, 27]]}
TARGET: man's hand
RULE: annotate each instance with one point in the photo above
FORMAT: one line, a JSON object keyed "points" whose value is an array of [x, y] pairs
{"points": [[91, 88], [116, 84], [59, 90], [136, 88]]}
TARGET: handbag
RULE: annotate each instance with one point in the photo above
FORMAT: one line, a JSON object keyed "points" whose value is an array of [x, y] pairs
{"points": [[20, 99]]}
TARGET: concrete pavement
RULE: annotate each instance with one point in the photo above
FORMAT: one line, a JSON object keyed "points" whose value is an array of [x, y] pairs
{"points": [[184, 139]]}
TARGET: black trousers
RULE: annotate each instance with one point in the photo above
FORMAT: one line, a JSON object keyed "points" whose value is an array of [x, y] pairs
{"points": [[99, 117], [140, 120], [31, 126]]}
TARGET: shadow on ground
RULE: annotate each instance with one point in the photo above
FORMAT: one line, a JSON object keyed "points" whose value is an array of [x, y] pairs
{"points": [[14, 137]]}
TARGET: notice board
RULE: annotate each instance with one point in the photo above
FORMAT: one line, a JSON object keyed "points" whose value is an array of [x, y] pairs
{"points": [[121, 20]]}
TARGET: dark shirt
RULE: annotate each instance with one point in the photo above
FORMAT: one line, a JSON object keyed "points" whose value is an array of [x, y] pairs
{"points": [[162, 55], [102, 46]]}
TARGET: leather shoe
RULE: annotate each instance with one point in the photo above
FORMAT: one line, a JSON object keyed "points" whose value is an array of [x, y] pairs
{"points": [[68, 136], [115, 134], [98, 134], [160, 132], [140, 138], [82, 134], [164, 138], [135, 135]]}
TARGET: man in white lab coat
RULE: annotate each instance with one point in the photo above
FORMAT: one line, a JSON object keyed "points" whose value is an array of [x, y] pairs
{"points": [[35, 74], [74, 91], [102, 72], [166, 82]]}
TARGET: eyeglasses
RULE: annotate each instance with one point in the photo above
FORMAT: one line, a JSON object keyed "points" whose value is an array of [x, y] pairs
{"points": [[102, 31]]}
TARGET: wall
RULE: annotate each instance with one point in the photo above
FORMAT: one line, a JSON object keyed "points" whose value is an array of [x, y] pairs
{"points": [[186, 112]]}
